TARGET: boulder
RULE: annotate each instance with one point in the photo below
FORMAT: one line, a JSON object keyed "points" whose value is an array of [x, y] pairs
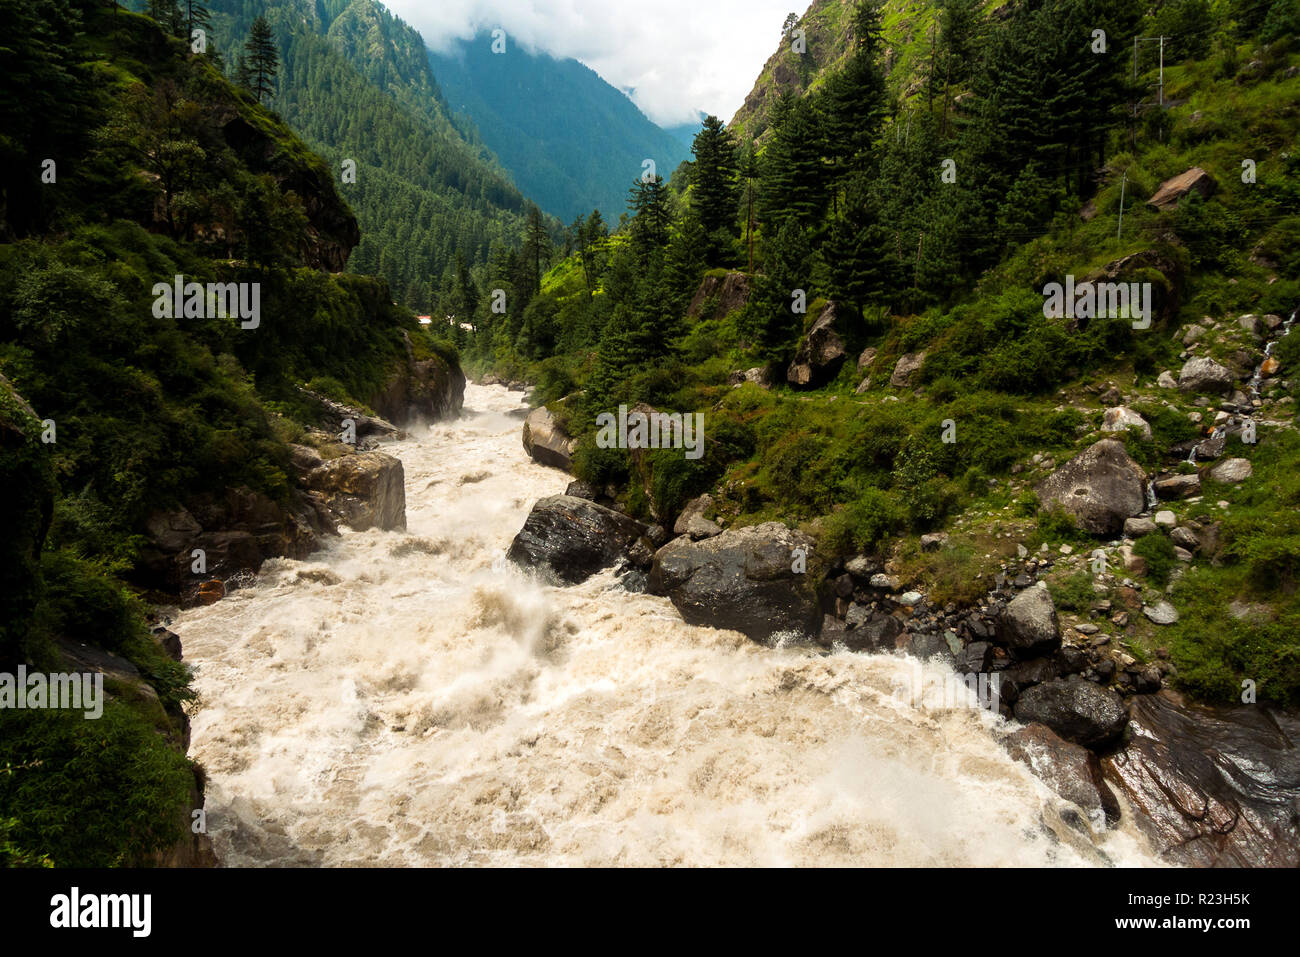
{"points": [[1171, 191], [743, 579], [546, 443], [866, 358], [1232, 470], [1205, 375], [1161, 613], [821, 352], [1072, 772], [1166, 380], [1077, 710], [1178, 486], [363, 489], [1100, 487], [1121, 417], [760, 376], [1028, 624], [1137, 527], [695, 508], [906, 369], [1212, 787], [568, 539]]}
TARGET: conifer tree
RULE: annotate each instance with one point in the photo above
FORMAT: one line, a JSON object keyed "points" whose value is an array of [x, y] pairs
{"points": [[261, 59], [714, 185]]}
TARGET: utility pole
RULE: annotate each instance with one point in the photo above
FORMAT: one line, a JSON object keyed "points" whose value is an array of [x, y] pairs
{"points": [[1122, 183]]}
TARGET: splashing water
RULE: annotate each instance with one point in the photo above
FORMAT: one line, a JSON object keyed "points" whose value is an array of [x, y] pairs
{"points": [[412, 699]]}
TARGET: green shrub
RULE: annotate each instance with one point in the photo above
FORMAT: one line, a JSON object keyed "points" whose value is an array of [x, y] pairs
{"points": [[1158, 552]]}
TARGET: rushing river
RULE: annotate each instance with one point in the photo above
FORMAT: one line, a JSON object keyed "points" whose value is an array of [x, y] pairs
{"points": [[412, 699]]}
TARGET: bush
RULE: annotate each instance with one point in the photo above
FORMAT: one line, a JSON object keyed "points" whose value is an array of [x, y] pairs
{"points": [[863, 523], [1158, 552]]}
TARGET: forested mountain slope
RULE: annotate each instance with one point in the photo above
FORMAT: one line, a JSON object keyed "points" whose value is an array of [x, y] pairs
{"points": [[150, 450], [355, 83], [571, 141]]}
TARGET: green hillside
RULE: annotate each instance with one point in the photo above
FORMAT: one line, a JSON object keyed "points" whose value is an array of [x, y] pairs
{"points": [[932, 206]]}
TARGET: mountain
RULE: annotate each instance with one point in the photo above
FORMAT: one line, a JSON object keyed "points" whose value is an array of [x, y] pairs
{"points": [[572, 142], [828, 37], [356, 84]]}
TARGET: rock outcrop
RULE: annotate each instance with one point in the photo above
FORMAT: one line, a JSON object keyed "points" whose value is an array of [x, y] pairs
{"points": [[1100, 487], [743, 579], [566, 539], [1212, 787], [421, 390], [728, 293]]}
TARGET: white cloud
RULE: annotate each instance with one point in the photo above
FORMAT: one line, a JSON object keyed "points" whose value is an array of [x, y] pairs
{"points": [[675, 56]]}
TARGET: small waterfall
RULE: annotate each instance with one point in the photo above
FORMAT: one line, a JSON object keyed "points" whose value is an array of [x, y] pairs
{"points": [[1257, 379]]}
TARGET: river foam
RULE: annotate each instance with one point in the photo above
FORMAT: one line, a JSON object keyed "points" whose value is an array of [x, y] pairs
{"points": [[413, 699]]}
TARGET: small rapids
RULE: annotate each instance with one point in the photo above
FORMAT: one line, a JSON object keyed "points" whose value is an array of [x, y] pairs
{"points": [[410, 699]]}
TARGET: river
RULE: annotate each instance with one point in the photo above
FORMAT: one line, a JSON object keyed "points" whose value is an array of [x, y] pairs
{"points": [[412, 699]]}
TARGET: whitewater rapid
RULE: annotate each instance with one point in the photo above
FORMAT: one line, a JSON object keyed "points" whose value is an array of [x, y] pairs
{"points": [[412, 699]]}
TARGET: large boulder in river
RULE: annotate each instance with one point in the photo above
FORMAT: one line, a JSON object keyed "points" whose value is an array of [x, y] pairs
{"points": [[821, 352], [1072, 771], [546, 442], [364, 490], [743, 579], [1077, 710], [1028, 625], [568, 539], [1205, 375], [1212, 787], [1099, 487]]}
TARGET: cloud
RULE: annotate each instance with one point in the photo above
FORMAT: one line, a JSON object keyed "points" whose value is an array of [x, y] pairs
{"points": [[672, 56]]}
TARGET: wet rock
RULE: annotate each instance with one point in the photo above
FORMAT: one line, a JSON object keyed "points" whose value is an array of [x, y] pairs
{"points": [[742, 579], [1079, 711], [820, 354], [1100, 487], [581, 489], [1212, 787], [1072, 772], [1028, 624], [546, 442], [568, 539], [1205, 375], [421, 390]]}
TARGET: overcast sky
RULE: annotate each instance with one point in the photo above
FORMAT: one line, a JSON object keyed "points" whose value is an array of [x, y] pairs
{"points": [[674, 56]]}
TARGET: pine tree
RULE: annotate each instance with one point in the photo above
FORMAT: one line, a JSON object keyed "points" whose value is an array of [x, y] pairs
{"points": [[197, 17], [651, 214], [714, 185], [261, 59]]}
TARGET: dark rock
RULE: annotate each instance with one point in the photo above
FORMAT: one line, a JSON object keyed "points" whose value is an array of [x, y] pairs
{"points": [[581, 489], [1078, 711], [1212, 787], [1028, 623], [568, 539], [820, 354], [742, 579]]}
